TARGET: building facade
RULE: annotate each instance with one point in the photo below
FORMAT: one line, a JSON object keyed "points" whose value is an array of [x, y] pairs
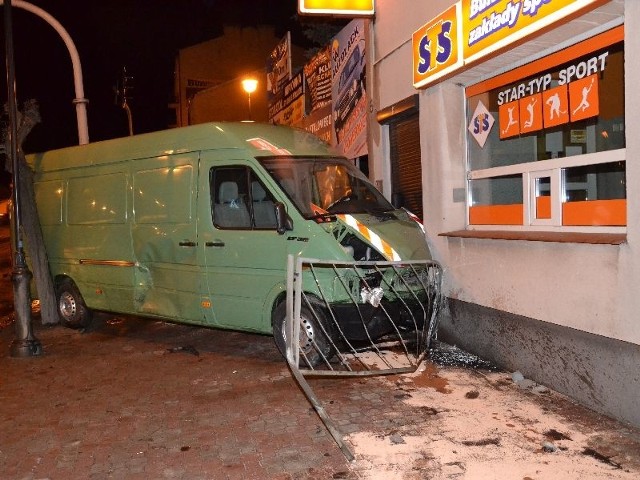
{"points": [[515, 157], [208, 76]]}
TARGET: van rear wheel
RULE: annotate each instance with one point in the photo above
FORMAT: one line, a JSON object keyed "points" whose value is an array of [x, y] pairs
{"points": [[314, 341], [72, 310]]}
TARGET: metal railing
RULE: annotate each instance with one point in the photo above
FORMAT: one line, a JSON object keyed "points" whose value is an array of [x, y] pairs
{"points": [[358, 319]]}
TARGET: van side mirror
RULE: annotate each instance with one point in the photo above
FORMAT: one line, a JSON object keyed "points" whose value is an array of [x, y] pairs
{"points": [[283, 221]]}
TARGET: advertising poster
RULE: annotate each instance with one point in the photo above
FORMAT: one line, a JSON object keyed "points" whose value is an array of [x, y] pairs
{"points": [[348, 90], [288, 105], [320, 123], [532, 103], [279, 66], [317, 74]]}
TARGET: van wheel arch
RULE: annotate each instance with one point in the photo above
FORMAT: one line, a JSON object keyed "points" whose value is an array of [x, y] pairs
{"points": [[72, 310]]}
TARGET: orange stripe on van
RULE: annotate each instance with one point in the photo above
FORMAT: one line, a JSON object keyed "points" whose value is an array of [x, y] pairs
{"points": [[563, 56], [496, 214], [595, 212]]}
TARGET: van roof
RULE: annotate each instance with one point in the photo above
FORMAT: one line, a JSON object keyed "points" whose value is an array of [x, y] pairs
{"points": [[261, 140]]}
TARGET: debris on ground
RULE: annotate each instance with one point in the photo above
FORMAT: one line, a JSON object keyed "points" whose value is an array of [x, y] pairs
{"points": [[527, 384], [446, 355], [186, 349]]}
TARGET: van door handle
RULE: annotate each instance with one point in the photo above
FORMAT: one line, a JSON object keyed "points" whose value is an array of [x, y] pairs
{"points": [[187, 243], [217, 243]]}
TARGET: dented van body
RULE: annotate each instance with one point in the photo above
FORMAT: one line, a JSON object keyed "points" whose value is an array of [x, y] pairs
{"points": [[195, 224]]}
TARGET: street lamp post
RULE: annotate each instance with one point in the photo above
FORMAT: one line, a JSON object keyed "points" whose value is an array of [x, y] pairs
{"points": [[25, 344], [80, 102], [250, 85]]}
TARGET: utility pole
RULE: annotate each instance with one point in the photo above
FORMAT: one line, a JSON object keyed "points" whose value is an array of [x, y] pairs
{"points": [[123, 94], [25, 344]]}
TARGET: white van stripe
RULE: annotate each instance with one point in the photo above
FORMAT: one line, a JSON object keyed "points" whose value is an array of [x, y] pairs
{"points": [[387, 250]]}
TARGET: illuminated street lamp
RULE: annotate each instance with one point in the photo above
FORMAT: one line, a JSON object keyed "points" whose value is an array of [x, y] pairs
{"points": [[249, 85]]}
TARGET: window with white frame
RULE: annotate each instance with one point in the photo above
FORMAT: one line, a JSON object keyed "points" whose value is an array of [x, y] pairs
{"points": [[546, 142]]}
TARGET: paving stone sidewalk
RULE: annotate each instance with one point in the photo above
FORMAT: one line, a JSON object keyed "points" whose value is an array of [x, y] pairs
{"points": [[150, 400], [140, 399]]}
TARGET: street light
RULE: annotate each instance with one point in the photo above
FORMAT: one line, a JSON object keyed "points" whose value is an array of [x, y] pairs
{"points": [[249, 85], [25, 344]]}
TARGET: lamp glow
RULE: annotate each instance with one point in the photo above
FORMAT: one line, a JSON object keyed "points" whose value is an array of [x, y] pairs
{"points": [[249, 85]]}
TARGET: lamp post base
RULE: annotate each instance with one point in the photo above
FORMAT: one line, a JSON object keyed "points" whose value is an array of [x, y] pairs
{"points": [[26, 348], [25, 343]]}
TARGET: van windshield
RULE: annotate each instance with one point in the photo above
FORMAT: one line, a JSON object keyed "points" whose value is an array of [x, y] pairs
{"points": [[320, 186]]}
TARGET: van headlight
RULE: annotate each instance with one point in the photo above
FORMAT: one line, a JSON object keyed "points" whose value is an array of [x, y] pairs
{"points": [[360, 250], [348, 250]]}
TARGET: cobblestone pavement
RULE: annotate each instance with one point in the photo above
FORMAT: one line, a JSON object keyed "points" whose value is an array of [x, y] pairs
{"points": [[134, 398], [140, 399]]}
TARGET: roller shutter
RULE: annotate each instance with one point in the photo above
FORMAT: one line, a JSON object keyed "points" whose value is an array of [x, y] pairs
{"points": [[406, 167]]}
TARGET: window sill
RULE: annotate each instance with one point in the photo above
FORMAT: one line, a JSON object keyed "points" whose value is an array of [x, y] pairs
{"points": [[558, 237]]}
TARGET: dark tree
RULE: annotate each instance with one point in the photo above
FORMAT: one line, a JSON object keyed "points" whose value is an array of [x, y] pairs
{"points": [[319, 31], [30, 222]]}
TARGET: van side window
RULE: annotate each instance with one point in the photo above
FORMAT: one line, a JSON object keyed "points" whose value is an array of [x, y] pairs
{"points": [[240, 200], [229, 192], [262, 205]]}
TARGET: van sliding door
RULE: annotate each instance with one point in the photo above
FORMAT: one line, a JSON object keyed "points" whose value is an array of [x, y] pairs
{"points": [[165, 237]]}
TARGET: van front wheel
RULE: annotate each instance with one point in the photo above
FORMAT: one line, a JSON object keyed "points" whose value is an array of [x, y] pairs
{"points": [[71, 307], [314, 341]]}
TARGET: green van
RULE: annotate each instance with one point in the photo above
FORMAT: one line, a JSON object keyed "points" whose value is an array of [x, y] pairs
{"points": [[195, 224]]}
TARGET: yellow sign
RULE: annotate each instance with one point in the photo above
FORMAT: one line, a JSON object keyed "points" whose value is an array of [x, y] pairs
{"points": [[490, 25], [472, 29], [436, 47], [336, 7]]}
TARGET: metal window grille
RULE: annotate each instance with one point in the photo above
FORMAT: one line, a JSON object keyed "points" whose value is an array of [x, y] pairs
{"points": [[358, 319]]}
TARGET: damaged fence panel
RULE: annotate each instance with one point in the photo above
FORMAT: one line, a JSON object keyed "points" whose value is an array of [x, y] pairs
{"points": [[360, 318]]}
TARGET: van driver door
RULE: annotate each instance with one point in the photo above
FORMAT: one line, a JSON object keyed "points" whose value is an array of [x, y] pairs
{"points": [[244, 258]]}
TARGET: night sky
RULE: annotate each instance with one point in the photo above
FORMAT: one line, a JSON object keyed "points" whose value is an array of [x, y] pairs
{"points": [[141, 35]]}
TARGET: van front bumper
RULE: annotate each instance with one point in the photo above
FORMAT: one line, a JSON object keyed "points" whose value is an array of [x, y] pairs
{"points": [[362, 322]]}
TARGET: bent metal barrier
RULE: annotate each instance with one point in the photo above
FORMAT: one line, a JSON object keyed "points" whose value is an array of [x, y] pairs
{"points": [[358, 319]]}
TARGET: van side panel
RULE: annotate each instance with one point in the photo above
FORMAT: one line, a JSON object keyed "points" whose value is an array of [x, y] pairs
{"points": [[120, 218], [49, 200], [85, 224], [164, 234]]}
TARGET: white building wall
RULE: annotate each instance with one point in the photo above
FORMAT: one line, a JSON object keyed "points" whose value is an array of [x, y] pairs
{"points": [[627, 288], [592, 289], [389, 64], [587, 287]]}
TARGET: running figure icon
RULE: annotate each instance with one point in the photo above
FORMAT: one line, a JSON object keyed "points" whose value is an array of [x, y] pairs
{"points": [[584, 103], [511, 120]]}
